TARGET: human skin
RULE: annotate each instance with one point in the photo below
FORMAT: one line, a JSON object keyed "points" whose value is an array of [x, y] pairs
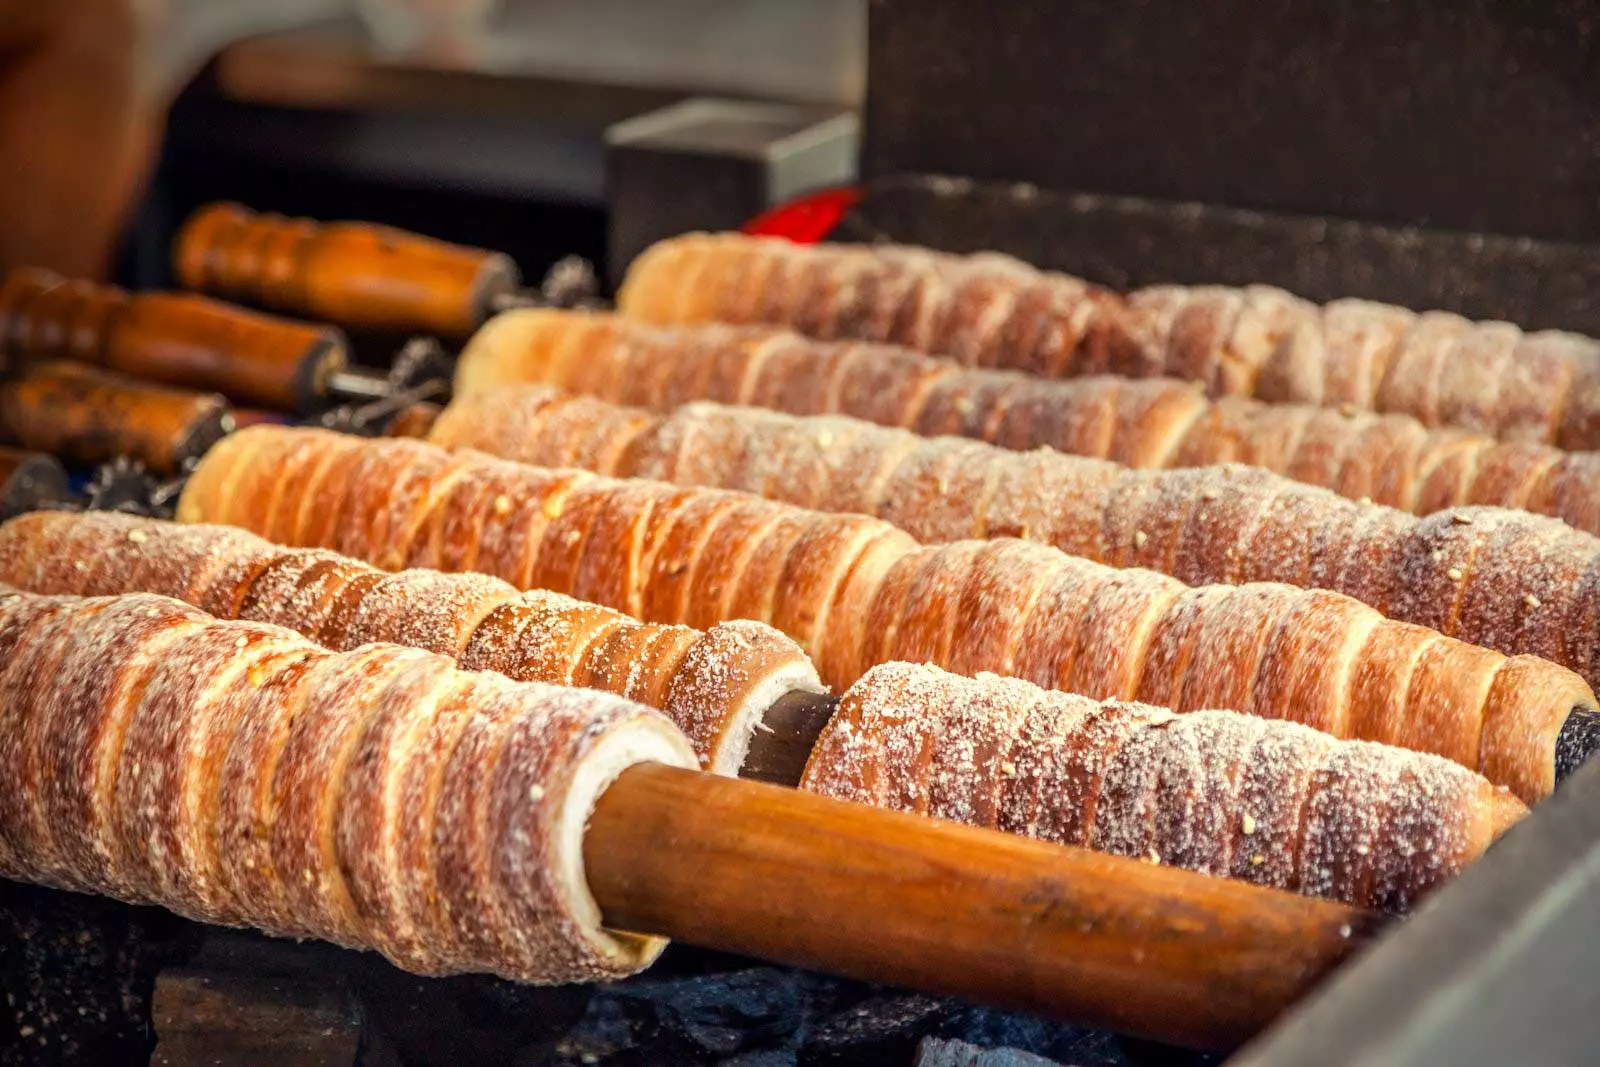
{"points": [[77, 131]]}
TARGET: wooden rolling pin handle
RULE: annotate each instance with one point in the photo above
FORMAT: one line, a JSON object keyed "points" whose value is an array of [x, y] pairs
{"points": [[788, 732], [178, 339], [886, 897], [29, 481], [46, 316], [198, 343], [87, 416], [243, 417], [358, 275]]}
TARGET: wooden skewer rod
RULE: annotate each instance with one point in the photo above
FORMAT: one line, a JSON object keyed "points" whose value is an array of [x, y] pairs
{"points": [[87, 416], [905, 900], [174, 338], [790, 729], [358, 275]]}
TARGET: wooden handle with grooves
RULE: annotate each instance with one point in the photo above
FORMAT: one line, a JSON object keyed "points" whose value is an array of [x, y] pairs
{"points": [[799, 879], [243, 417], [87, 416], [358, 275], [174, 338]]}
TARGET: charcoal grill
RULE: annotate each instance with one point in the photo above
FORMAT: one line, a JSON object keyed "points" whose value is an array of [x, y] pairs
{"points": [[1431, 157]]}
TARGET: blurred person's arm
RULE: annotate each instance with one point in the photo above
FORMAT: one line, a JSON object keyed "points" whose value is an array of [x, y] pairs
{"points": [[77, 131]]}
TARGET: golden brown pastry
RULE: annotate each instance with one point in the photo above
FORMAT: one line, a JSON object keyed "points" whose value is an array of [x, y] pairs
{"points": [[715, 685], [1256, 341], [1500, 578], [855, 592], [1272, 803], [380, 798], [1156, 423]]}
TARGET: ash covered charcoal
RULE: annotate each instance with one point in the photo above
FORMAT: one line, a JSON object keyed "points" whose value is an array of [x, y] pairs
{"points": [[738, 1015], [701, 1007], [77, 974], [936, 1052], [613, 1030], [1144, 1053], [886, 1028], [721, 1015], [990, 1028]]}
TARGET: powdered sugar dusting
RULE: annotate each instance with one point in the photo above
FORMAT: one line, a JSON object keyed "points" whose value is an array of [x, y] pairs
{"points": [[1270, 802], [222, 769], [428, 610], [1090, 629], [534, 636], [1220, 524], [719, 674], [997, 312], [1390, 459]]}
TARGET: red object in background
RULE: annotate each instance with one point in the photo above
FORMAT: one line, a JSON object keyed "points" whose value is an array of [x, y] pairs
{"points": [[807, 220]]}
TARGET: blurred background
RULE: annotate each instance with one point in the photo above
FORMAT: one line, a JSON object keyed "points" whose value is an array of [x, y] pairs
{"points": [[480, 121]]}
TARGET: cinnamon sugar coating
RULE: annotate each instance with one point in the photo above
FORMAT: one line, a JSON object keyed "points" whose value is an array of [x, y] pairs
{"points": [[482, 622], [1269, 802], [1256, 341], [856, 592], [1499, 578], [235, 773], [1390, 459]]}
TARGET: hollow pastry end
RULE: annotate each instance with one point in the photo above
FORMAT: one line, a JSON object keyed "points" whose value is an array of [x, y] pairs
{"points": [[642, 740]]}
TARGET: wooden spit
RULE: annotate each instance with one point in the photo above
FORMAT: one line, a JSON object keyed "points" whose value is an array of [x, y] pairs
{"points": [[905, 900], [178, 339], [358, 275], [87, 416]]}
